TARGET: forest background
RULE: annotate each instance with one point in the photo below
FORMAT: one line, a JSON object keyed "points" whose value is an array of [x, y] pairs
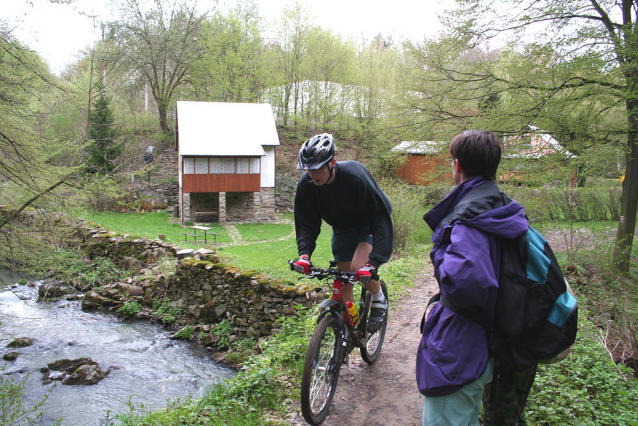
{"points": [[567, 69]]}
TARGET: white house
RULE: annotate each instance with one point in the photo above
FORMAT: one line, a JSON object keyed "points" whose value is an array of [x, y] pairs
{"points": [[226, 161]]}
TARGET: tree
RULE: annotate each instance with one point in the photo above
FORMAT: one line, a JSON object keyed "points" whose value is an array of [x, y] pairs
{"points": [[103, 148], [230, 70], [161, 42], [584, 59], [28, 170]]}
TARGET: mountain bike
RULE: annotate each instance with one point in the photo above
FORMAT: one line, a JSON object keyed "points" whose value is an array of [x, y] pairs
{"points": [[334, 338]]}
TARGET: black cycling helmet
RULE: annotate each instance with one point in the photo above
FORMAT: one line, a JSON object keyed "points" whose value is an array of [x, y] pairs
{"points": [[316, 152]]}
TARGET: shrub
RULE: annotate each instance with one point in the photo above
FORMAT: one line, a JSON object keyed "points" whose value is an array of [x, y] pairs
{"points": [[129, 308], [224, 330], [185, 333], [408, 207]]}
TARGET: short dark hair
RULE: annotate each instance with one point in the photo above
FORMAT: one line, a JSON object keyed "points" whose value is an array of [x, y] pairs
{"points": [[478, 152]]}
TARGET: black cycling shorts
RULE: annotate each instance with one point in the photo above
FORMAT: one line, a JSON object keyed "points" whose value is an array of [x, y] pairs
{"points": [[344, 243]]}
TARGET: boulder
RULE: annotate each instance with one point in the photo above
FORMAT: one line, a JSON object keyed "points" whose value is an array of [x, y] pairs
{"points": [[20, 342], [84, 375], [10, 356], [76, 372], [55, 290], [93, 300]]}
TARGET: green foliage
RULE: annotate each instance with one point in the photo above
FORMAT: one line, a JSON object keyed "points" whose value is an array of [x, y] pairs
{"points": [[588, 387], [12, 410], [224, 330], [408, 206], [129, 308], [565, 204], [103, 149], [185, 333], [165, 311]]}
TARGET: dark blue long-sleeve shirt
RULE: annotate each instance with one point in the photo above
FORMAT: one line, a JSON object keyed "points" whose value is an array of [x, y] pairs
{"points": [[353, 199]]}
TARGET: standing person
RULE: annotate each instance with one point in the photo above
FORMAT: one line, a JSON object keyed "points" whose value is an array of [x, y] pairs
{"points": [[453, 363], [347, 197]]}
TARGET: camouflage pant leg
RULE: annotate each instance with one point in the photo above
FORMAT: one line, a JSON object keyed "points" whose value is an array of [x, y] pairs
{"points": [[505, 404]]}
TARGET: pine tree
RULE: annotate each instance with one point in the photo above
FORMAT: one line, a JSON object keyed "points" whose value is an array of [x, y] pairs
{"points": [[103, 148]]}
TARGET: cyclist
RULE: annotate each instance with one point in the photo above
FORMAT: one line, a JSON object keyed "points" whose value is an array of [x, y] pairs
{"points": [[347, 197]]}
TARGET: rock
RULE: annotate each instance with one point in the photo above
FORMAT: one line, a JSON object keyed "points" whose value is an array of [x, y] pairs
{"points": [[219, 357], [20, 342], [54, 290], [84, 375], [181, 254], [81, 371], [10, 356], [93, 300]]}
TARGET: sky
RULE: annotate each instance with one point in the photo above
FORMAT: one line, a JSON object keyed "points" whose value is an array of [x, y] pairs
{"points": [[59, 32]]}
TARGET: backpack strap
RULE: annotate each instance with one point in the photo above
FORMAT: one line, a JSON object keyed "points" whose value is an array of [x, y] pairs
{"points": [[471, 314]]}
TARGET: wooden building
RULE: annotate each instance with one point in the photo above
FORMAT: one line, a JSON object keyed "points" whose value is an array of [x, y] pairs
{"points": [[425, 162], [524, 155], [226, 161]]}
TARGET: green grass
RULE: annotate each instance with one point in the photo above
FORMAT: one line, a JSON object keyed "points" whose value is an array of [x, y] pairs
{"points": [[150, 225], [264, 231], [272, 257]]}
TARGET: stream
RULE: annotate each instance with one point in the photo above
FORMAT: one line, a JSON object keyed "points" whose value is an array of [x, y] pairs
{"points": [[148, 368]]}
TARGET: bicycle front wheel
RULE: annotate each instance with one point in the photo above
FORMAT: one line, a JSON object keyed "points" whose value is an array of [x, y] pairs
{"points": [[372, 342], [320, 371]]}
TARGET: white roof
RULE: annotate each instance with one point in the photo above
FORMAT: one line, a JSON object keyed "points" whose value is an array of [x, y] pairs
{"points": [[419, 147], [225, 129]]}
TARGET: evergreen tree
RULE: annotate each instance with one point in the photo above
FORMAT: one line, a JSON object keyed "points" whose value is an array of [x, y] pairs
{"points": [[103, 148]]}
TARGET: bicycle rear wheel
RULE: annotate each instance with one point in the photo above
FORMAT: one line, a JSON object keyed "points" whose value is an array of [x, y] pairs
{"points": [[320, 371], [372, 342]]}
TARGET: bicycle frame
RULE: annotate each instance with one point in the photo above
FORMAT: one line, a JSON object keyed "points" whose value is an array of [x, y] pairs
{"points": [[336, 306]]}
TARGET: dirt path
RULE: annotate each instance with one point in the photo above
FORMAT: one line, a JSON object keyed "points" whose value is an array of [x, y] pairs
{"points": [[384, 393]]}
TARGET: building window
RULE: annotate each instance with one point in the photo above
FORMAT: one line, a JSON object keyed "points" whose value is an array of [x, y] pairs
{"points": [[201, 166], [189, 166], [243, 165], [255, 166]]}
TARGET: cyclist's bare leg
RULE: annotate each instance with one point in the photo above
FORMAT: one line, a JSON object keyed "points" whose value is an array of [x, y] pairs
{"points": [[360, 258]]}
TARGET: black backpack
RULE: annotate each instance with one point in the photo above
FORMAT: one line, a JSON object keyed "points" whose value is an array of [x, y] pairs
{"points": [[536, 317]]}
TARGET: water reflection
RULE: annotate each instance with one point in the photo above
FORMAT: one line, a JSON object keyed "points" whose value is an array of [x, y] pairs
{"points": [[148, 368]]}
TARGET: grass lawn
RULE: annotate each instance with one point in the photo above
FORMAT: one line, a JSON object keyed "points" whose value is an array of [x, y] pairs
{"points": [[150, 225], [267, 253]]}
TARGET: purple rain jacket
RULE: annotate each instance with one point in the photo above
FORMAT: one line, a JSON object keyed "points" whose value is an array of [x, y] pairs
{"points": [[466, 258]]}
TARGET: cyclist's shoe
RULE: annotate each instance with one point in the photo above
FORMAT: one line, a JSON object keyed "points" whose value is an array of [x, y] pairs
{"points": [[378, 315]]}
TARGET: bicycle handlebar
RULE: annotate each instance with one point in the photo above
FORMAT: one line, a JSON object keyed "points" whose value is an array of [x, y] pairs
{"points": [[321, 274]]}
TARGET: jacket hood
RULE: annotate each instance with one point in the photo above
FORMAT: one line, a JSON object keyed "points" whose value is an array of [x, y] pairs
{"points": [[507, 222], [479, 203]]}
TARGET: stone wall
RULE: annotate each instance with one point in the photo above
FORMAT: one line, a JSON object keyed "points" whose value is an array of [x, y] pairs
{"points": [[253, 303], [206, 289]]}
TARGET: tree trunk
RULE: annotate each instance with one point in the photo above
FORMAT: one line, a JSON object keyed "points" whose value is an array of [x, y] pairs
{"points": [[629, 201], [161, 109]]}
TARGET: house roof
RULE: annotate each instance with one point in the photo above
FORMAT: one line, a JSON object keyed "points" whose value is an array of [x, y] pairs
{"points": [[533, 145], [225, 129], [420, 147]]}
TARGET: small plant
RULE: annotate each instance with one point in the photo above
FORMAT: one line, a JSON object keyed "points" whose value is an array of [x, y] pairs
{"points": [[12, 410], [224, 331], [129, 308], [168, 319], [165, 311], [185, 333]]}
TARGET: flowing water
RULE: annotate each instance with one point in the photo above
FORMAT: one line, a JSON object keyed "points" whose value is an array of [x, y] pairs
{"points": [[148, 368]]}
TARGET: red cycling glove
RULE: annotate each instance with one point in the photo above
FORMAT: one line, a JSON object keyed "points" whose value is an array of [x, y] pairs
{"points": [[302, 266], [365, 274]]}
